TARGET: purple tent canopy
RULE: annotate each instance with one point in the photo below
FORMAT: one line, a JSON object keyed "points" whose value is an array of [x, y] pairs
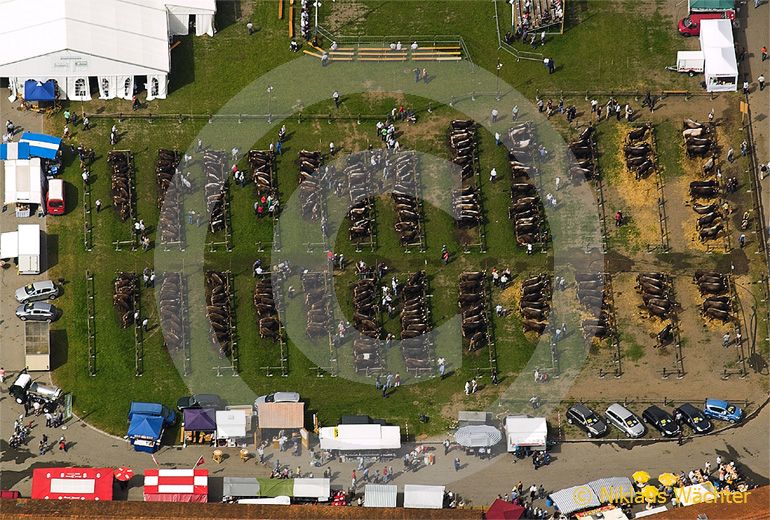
{"points": [[200, 420]]}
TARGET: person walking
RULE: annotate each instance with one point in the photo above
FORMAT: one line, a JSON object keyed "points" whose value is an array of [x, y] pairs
{"points": [[746, 87], [98, 204], [457, 463], [515, 112], [250, 28], [467, 388], [425, 75], [63, 444], [145, 324], [493, 175], [417, 75], [446, 446], [742, 240], [336, 98], [761, 81], [2, 375], [726, 340], [497, 138], [494, 115]]}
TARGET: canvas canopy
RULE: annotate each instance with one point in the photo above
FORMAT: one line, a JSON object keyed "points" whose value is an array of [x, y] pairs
{"points": [[711, 5], [37, 91], [502, 510], [526, 432], [240, 487], [72, 483], [351, 437], [9, 245], [231, 424], [612, 489], [281, 415], [318, 488], [41, 145], [380, 495], [200, 420], [176, 485], [717, 44], [145, 426], [23, 181], [10, 151], [478, 436], [695, 494], [574, 499], [274, 487], [423, 497]]}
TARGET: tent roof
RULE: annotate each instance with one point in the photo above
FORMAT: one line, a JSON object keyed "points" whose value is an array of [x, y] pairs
{"points": [[281, 415], [148, 426], [37, 91], [275, 487], [231, 423], [41, 145], [380, 495], [478, 435], [526, 431], [117, 30], [612, 489], [23, 181], [9, 244], [720, 62], [574, 499], [200, 419], [716, 33], [72, 483], [423, 497], [240, 487], [191, 6], [502, 510], [711, 5], [10, 151], [312, 488], [360, 437]]}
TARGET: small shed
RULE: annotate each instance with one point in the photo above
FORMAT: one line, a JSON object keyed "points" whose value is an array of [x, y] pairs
{"points": [[526, 432], [290, 416], [37, 345], [231, 427], [380, 495], [423, 497], [23, 185]]}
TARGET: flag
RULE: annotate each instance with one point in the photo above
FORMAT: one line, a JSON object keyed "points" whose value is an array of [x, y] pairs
{"points": [[200, 461], [154, 459]]}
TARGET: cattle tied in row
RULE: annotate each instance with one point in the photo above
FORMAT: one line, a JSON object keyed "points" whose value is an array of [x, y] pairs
{"points": [[704, 193], [169, 196], [582, 156], [311, 192], [172, 313], [219, 310], [534, 304], [526, 209], [416, 340], [713, 286], [473, 305], [592, 293], [406, 197], [124, 297], [361, 212], [366, 345], [215, 173], [122, 184], [466, 204], [316, 304], [267, 311], [638, 151], [699, 139], [657, 294]]}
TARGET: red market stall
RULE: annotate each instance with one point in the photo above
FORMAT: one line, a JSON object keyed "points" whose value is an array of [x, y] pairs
{"points": [[72, 483], [176, 485]]}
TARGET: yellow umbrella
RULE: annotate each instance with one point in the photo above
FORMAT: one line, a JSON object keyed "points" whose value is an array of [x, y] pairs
{"points": [[668, 479], [641, 476], [649, 493]]}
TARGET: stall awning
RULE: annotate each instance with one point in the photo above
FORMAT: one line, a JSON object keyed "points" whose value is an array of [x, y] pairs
{"points": [[720, 61], [351, 437], [612, 489], [41, 145], [72, 483], [240, 487], [12, 151], [319, 488], [9, 244], [695, 494], [275, 487], [37, 91], [379, 495], [23, 181], [502, 510], [231, 424], [176, 485], [526, 431], [478, 436], [146, 426], [574, 499], [423, 497], [200, 420], [281, 415]]}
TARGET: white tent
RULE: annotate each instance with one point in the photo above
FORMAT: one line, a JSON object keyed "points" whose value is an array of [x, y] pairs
{"points": [[423, 497], [23, 244], [231, 424], [717, 44], [180, 11], [380, 495], [23, 181], [352, 437], [526, 431], [575, 498], [318, 488]]}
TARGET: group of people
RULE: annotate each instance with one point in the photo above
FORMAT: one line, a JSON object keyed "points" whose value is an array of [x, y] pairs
{"points": [[501, 279], [471, 386], [390, 381], [526, 498], [613, 107], [142, 234]]}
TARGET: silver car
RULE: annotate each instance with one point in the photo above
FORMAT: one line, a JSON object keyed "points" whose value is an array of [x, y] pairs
{"points": [[278, 397], [625, 420], [37, 311], [35, 291]]}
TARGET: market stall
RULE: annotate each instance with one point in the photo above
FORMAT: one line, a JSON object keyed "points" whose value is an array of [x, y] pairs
{"points": [[603, 513], [695, 494], [478, 436], [41, 145], [279, 416], [423, 497], [145, 432], [526, 432], [24, 185], [380, 495], [199, 426], [23, 245], [72, 483], [353, 439], [231, 428], [176, 485], [576, 498], [613, 489], [502, 510], [718, 46]]}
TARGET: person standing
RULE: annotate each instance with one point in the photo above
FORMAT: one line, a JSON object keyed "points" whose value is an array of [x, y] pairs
{"points": [[494, 115], [2, 375], [250, 28], [98, 204], [746, 87], [446, 446], [425, 75], [63, 444], [493, 175], [515, 112], [467, 388], [761, 81], [416, 75], [336, 98], [763, 51], [457, 463], [497, 138]]}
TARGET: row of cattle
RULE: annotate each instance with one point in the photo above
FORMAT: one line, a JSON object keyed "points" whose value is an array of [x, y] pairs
{"points": [[171, 310], [593, 295], [638, 152], [713, 286], [526, 209], [367, 346], [534, 304], [267, 310], [466, 203], [215, 173], [710, 221], [169, 196], [416, 337], [125, 296], [263, 174], [361, 212], [219, 310], [316, 304], [473, 303], [657, 294], [583, 155], [122, 184], [311, 192], [406, 198], [699, 139]]}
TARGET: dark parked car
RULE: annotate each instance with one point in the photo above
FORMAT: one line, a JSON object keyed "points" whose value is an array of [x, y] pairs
{"points": [[693, 417], [201, 401], [586, 419], [661, 420]]}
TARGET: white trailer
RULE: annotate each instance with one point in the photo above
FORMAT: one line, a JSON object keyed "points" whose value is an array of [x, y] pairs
{"points": [[29, 248], [691, 62]]}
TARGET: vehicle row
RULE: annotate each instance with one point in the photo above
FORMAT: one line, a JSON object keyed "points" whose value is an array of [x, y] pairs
{"points": [[667, 424]]}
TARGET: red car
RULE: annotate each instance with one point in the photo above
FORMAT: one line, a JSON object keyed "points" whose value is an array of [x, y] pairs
{"points": [[690, 26]]}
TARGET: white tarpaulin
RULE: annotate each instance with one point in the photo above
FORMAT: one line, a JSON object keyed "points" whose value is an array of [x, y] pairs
{"points": [[526, 431], [423, 497], [23, 181], [717, 44], [318, 488], [574, 499], [231, 424], [716, 33], [351, 437], [478, 436], [9, 245], [380, 495]]}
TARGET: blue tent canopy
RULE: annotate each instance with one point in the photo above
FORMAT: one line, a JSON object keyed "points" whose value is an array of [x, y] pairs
{"points": [[41, 145], [147, 426], [36, 91], [13, 151]]}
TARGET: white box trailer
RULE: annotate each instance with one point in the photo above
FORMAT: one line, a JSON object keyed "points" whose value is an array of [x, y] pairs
{"points": [[29, 248], [691, 62], [37, 345], [360, 437]]}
